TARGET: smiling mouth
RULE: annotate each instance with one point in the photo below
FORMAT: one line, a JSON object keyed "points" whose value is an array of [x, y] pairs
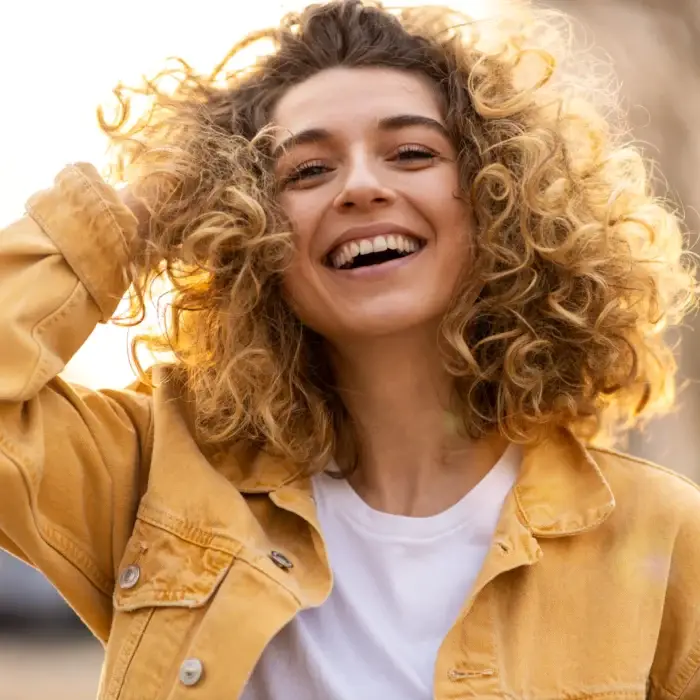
{"points": [[377, 250]]}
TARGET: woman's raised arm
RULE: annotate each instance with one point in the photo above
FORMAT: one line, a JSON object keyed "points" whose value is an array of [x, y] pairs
{"points": [[72, 461]]}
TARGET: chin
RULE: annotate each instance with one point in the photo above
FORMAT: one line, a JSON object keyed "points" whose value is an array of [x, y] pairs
{"points": [[390, 323]]}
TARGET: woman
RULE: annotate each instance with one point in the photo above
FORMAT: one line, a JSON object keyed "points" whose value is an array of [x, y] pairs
{"points": [[415, 275]]}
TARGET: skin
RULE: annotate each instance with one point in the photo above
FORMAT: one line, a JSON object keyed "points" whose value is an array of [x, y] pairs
{"points": [[381, 323]]}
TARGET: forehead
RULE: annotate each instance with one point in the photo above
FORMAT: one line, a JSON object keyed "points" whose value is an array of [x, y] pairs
{"points": [[345, 98]]}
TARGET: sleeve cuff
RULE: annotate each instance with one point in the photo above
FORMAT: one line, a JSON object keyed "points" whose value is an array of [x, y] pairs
{"points": [[92, 229]]}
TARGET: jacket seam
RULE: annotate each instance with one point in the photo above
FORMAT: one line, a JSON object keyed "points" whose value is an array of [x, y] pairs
{"points": [[205, 539], [127, 653], [538, 532], [657, 691], [251, 562], [38, 372], [615, 693], [193, 534], [644, 463], [90, 190], [147, 448], [104, 204], [691, 667], [68, 548], [46, 532], [569, 532]]}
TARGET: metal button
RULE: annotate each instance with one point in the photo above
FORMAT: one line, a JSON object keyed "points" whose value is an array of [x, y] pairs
{"points": [[130, 576], [280, 560], [191, 671]]}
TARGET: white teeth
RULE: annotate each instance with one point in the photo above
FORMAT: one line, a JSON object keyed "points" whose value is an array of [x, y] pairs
{"points": [[346, 253], [366, 247], [379, 244]]}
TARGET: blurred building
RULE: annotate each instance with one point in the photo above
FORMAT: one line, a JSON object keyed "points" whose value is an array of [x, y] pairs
{"points": [[655, 49]]}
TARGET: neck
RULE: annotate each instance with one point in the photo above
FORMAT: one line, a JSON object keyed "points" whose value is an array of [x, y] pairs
{"points": [[413, 459]]}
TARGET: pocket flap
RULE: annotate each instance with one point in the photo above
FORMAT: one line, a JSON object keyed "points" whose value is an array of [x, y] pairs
{"points": [[162, 569]]}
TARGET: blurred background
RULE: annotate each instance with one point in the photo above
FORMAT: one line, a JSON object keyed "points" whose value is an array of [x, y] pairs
{"points": [[61, 59]]}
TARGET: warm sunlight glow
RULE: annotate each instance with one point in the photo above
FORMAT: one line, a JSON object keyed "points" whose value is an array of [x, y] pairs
{"points": [[60, 60]]}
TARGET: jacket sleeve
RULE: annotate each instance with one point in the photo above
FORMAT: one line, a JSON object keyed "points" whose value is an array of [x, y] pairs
{"points": [[72, 461], [675, 674]]}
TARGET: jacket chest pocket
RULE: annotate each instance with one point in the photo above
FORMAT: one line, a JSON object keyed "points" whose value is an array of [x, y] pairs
{"points": [[165, 584]]}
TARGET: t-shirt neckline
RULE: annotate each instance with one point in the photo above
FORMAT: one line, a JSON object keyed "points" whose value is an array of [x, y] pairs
{"points": [[467, 512]]}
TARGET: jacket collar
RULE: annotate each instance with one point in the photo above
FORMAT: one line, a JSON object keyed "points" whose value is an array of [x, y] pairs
{"points": [[560, 490], [256, 471]]}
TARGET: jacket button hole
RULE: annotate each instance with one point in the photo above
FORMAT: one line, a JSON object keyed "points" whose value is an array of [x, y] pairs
{"points": [[456, 675]]}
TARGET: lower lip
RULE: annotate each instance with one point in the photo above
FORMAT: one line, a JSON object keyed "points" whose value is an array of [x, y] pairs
{"points": [[371, 271]]}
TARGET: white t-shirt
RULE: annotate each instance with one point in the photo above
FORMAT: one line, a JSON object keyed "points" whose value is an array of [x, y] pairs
{"points": [[399, 585]]}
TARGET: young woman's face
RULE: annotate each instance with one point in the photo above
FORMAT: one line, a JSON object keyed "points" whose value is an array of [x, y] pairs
{"points": [[369, 181]]}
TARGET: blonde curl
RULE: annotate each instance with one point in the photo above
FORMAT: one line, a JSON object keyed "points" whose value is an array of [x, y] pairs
{"points": [[581, 270]]}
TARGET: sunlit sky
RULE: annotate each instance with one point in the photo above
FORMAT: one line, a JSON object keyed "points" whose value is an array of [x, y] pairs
{"points": [[61, 59]]}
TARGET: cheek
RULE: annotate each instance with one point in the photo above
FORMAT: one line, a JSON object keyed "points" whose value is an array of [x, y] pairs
{"points": [[455, 233], [449, 214], [303, 211], [439, 198], [300, 285], [294, 288], [304, 297], [304, 216]]}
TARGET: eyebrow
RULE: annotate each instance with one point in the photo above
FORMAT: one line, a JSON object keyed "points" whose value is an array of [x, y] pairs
{"points": [[394, 123]]}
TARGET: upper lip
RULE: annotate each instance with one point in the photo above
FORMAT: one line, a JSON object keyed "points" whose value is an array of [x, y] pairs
{"points": [[357, 233]]}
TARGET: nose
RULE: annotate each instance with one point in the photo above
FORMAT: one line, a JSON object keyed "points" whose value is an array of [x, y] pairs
{"points": [[363, 188]]}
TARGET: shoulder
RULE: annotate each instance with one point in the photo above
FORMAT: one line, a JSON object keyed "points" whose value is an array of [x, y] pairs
{"points": [[657, 518], [639, 485]]}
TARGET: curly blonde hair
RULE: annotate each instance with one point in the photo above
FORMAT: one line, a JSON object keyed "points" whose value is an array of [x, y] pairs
{"points": [[581, 269]]}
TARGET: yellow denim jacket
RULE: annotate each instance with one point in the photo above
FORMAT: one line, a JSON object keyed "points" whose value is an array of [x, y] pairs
{"points": [[186, 569]]}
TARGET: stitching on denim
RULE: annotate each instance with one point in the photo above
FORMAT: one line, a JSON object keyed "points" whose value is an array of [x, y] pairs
{"points": [[498, 651], [38, 373], [173, 598], [104, 204], [164, 520], [614, 693], [81, 184], [78, 179], [252, 563], [58, 540], [147, 447], [656, 690], [63, 543], [117, 680], [644, 463], [691, 667], [562, 533]]}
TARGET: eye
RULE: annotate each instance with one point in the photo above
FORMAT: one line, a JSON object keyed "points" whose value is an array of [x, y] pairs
{"points": [[306, 171], [411, 153]]}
